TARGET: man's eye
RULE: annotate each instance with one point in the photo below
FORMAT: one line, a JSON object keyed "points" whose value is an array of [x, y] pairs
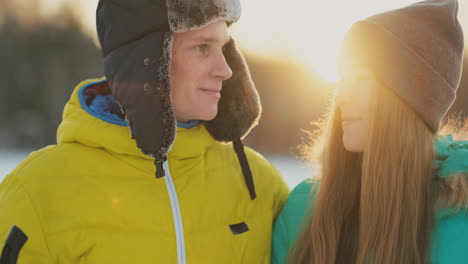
{"points": [[203, 48]]}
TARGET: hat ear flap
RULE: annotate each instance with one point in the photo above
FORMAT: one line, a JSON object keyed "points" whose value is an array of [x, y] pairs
{"points": [[239, 107]]}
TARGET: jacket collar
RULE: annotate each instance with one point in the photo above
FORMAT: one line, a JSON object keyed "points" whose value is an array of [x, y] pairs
{"points": [[451, 156], [451, 166]]}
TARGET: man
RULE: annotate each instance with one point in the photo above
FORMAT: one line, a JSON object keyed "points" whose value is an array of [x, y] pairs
{"points": [[179, 186]]}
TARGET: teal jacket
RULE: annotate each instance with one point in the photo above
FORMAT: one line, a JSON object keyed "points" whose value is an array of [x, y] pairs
{"points": [[449, 243]]}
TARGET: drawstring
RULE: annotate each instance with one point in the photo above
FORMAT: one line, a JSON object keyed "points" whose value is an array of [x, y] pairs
{"points": [[158, 162], [239, 148]]}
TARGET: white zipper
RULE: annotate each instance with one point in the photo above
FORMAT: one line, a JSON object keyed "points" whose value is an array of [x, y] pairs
{"points": [[179, 228]]}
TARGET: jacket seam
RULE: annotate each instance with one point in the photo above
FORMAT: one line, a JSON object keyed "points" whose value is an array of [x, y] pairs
{"points": [[117, 156], [43, 154]]}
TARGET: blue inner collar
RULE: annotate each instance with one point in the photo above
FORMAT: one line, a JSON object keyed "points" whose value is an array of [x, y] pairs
{"points": [[189, 124], [101, 106]]}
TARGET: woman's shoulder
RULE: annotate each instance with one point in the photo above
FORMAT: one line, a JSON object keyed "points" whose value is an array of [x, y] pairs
{"points": [[289, 223], [297, 206], [304, 188], [302, 195], [450, 237]]}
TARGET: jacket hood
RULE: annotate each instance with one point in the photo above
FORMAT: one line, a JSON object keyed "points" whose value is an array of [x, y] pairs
{"points": [[81, 124], [90, 122]]}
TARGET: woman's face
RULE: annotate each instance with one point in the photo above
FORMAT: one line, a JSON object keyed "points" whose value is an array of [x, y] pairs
{"points": [[353, 97]]}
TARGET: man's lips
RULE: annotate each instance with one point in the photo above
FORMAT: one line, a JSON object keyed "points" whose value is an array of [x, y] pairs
{"points": [[212, 92]]}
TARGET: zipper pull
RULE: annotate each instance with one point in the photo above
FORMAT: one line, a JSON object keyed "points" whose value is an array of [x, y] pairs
{"points": [[158, 162]]}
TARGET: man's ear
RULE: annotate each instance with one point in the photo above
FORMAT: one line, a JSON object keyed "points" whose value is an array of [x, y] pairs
{"points": [[239, 108]]}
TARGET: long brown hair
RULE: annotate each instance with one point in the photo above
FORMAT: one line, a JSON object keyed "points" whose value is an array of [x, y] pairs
{"points": [[374, 207]]}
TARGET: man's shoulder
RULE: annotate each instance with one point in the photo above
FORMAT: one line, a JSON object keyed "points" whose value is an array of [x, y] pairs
{"points": [[257, 161], [37, 160], [260, 162], [49, 162], [254, 155], [29, 174]]}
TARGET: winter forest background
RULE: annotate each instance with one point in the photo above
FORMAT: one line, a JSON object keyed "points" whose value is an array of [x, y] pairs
{"points": [[43, 57]]}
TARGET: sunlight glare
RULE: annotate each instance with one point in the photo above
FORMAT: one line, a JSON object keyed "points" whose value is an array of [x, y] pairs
{"points": [[305, 31]]}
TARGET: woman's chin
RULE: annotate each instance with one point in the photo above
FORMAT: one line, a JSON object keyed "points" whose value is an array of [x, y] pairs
{"points": [[352, 145]]}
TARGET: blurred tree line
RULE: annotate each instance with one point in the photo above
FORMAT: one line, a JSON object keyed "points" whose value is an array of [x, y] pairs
{"points": [[41, 61]]}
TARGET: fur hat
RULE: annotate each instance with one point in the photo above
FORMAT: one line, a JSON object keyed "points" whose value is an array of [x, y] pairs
{"points": [[136, 38], [417, 51]]}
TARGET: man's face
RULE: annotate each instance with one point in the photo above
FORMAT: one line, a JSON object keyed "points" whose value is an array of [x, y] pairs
{"points": [[198, 70]]}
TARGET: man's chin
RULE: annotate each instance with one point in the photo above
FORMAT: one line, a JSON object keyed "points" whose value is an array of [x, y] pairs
{"points": [[208, 116]]}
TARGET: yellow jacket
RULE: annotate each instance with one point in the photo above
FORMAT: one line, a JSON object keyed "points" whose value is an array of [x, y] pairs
{"points": [[94, 198]]}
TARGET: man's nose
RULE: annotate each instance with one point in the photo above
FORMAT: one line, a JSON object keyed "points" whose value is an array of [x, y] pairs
{"points": [[222, 69]]}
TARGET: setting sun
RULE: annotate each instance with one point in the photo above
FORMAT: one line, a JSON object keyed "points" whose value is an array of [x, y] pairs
{"points": [[306, 31]]}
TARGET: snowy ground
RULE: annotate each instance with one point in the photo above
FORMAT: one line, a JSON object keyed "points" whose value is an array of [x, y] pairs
{"points": [[9, 159], [294, 171]]}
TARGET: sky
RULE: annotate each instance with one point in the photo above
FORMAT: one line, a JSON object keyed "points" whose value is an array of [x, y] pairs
{"points": [[306, 31]]}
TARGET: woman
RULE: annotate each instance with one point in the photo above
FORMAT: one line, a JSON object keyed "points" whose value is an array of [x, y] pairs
{"points": [[392, 188]]}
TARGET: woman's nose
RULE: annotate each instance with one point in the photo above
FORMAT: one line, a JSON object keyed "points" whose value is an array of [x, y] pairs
{"points": [[342, 94]]}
